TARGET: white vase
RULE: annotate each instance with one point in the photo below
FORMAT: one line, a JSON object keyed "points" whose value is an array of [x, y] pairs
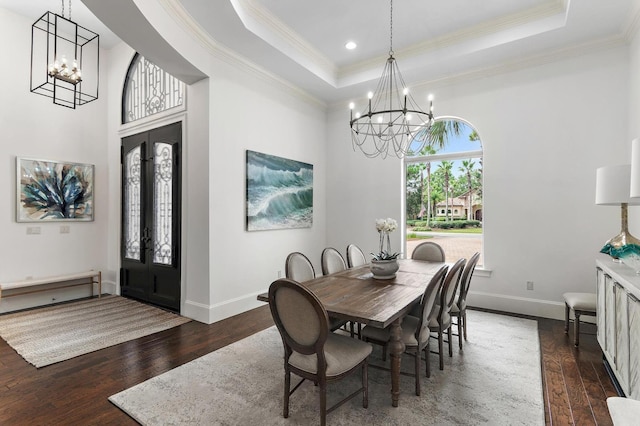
{"points": [[384, 269]]}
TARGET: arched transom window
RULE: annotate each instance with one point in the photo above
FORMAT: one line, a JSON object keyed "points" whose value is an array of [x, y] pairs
{"points": [[149, 90]]}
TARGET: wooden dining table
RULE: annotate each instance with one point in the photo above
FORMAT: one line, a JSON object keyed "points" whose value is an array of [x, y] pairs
{"points": [[354, 295]]}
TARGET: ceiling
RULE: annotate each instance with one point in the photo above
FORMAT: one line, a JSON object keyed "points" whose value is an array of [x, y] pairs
{"points": [[303, 42]]}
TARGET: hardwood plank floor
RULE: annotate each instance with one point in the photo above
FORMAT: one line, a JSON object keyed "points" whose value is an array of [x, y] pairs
{"points": [[75, 392]]}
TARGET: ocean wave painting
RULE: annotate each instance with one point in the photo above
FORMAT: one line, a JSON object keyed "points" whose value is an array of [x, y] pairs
{"points": [[279, 192]]}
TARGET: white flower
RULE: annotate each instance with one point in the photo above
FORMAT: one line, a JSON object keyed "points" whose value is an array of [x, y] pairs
{"points": [[386, 225], [391, 224]]}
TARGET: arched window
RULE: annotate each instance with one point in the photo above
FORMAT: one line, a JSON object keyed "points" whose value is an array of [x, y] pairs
{"points": [[149, 90], [444, 190]]}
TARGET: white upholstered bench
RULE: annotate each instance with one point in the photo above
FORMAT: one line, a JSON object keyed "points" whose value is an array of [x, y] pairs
{"points": [[35, 285]]}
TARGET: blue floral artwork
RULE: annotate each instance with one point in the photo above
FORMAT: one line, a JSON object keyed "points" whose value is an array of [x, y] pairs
{"points": [[279, 192], [50, 191]]}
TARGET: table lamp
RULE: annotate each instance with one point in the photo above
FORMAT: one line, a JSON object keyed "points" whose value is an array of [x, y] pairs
{"points": [[635, 168], [613, 189]]}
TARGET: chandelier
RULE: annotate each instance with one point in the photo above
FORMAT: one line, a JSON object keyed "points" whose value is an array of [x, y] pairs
{"points": [[393, 122], [56, 40]]}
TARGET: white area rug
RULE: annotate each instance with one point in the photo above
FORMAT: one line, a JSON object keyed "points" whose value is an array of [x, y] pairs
{"points": [[495, 381], [48, 335]]}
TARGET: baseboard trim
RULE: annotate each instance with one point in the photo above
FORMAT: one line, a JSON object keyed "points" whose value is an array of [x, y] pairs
{"points": [[209, 314], [519, 305]]}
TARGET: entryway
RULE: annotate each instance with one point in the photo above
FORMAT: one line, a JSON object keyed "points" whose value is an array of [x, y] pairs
{"points": [[151, 210]]}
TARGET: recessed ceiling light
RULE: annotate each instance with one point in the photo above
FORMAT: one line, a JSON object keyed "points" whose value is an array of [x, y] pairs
{"points": [[351, 45]]}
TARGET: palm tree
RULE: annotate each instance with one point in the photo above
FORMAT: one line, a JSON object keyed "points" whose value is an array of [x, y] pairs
{"points": [[446, 167], [467, 169], [441, 130], [428, 151]]}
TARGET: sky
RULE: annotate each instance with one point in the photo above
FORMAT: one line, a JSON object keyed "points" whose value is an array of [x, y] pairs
{"points": [[457, 144]]}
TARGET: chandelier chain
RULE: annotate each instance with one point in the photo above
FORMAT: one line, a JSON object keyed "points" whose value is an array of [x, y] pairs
{"points": [[391, 30], [62, 1]]}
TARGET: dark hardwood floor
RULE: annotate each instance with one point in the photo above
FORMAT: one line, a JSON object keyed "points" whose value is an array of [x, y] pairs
{"points": [[75, 392]]}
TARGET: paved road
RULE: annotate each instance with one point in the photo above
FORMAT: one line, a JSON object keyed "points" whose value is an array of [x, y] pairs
{"points": [[455, 246]]}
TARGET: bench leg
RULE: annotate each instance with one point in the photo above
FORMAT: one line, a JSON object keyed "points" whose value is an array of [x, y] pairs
{"points": [[566, 318], [576, 328]]}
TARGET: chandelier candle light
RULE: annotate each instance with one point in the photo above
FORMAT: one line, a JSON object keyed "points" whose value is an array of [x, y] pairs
{"points": [[393, 122], [384, 265]]}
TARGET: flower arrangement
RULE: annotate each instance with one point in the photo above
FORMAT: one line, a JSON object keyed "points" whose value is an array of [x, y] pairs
{"points": [[384, 227]]}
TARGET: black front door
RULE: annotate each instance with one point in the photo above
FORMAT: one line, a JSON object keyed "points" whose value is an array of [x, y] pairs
{"points": [[151, 210]]}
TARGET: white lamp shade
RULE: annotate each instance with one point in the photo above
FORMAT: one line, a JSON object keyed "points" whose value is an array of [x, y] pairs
{"points": [[635, 168], [613, 186]]}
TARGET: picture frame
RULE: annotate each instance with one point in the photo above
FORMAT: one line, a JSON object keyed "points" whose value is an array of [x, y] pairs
{"points": [[279, 192], [50, 191]]}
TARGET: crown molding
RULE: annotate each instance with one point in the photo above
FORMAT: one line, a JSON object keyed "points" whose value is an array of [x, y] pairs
{"points": [[539, 13], [184, 19], [286, 34], [578, 50]]}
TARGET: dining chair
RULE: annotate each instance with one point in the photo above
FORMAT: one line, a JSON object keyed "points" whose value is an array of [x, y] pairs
{"points": [[311, 351], [355, 256], [415, 330], [441, 320], [299, 268], [428, 251], [332, 261], [459, 308]]}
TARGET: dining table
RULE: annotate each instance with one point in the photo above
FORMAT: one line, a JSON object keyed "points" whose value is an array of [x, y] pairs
{"points": [[355, 295]]}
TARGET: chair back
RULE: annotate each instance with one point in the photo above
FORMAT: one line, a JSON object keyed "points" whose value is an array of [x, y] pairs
{"points": [[355, 256], [428, 301], [298, 267], [332, 261], [450, 286], [300, 318], [465, 281], [428, 251]]}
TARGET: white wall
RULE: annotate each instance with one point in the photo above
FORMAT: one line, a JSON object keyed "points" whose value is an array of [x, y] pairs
{"points": [[34, 127], [545, 130]]}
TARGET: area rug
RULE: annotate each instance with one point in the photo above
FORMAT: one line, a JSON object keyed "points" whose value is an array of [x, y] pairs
{"points": [[496, 380], [48, 335]]}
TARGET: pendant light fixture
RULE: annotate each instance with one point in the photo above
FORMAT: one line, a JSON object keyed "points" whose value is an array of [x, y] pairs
{"points": [[392, 123], [64, 60]]}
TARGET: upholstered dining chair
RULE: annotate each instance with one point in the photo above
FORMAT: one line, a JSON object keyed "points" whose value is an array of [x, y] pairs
{"points": [[332, 261], [415, 330], [355, 256], [299, 268], [311, 351], [459, 308], [441, 320], [428, 251]]}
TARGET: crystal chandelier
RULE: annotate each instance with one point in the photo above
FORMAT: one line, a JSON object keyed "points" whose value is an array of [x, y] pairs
{"points": [[54, 39], [393, 122]]}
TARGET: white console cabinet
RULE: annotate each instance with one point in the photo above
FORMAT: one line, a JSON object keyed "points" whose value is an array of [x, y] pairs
{"points": [[618, 320]]}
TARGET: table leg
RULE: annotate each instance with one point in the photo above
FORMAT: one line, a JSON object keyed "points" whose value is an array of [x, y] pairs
{"points": [[396, 348]]}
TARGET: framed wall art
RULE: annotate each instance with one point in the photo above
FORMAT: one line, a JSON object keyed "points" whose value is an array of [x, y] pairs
{"points": [[279, 193], [53, 191]]}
